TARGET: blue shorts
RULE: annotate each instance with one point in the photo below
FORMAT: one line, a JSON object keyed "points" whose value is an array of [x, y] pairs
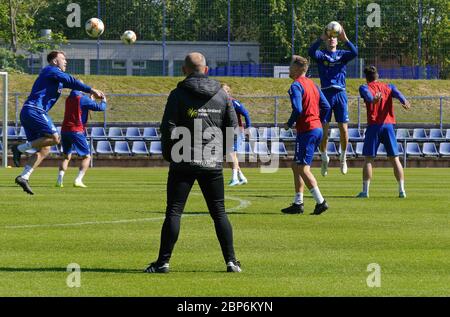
{"points": [[75, 141], [339, 104], [380, 133], [36, 123], [306, 144]]}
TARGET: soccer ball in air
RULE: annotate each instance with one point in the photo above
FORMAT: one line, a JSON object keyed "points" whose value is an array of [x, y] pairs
{"points": [[128, 37], [94, 27], [333, 29]]}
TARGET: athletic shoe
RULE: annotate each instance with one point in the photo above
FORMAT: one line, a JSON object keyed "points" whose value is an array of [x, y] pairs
{"points": [[243, 181], [156, 268], [293, 209], [16, 155], [344, 168], [60, 185], [22, 182], [402, 195], [79, 185], [234, 182], [234, 266], [320, 208], [362, 195], [324, 167]]}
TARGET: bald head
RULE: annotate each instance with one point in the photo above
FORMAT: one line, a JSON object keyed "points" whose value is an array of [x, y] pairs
{"points": [[195, 63]]}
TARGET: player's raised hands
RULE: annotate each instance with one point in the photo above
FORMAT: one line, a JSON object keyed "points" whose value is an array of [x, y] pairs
{"points": [[342, 36]]}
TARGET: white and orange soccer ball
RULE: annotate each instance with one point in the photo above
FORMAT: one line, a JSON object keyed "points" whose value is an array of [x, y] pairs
{"points": [[333, 29], [128, 37], [94, 27]]}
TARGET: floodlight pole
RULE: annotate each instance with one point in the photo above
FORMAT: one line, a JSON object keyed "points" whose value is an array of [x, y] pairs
{"points": [[5, 119]]}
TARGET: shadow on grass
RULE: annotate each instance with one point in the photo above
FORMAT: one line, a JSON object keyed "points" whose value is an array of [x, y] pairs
{"points": [[61, 269]]}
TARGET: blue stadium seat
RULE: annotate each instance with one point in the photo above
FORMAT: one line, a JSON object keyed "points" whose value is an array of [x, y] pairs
{"points": [[447, 134], [139, 148], [350, 151], [11, 132], [335, 134], [104, 148], [400, 148], [402, 134], [444, 149], [267, 133], [150, 134], [429, 149], [419, 134], [413, 149], [436, 134], [22, 133], [354, 134], [155, 148], [260, 148], [98, 133], [122, 148], [381, 151], [115, 133], [331, 149], [244, 149], [359, 148], [287, 135], [278, 148], [253, 134], [133, 133]]}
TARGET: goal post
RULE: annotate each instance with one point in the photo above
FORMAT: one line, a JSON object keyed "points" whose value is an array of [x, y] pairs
{"points": [[4, 98]]}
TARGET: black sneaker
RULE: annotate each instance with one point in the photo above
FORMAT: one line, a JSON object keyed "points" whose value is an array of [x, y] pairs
{"points": [[16, 155], [22, 182], [157, 268], [234, 266], [293, 209], [320, 208]]}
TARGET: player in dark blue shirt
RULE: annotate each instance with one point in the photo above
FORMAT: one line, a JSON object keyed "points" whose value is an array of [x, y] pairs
{"points": [[40, 131], [332, 71]]}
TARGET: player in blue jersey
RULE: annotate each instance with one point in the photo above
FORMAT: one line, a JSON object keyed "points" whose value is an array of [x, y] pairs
{"points": [[332, 71], [40, 131], [237, 177]]}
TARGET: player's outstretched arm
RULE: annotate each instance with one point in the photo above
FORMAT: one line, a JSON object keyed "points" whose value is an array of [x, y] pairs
{"points": [[398, 95]]}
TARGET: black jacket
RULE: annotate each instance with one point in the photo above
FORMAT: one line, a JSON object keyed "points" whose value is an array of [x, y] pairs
{"points": [[195, 113]]}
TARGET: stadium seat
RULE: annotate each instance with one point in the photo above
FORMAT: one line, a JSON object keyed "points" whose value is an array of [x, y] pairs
{"points": [[278, 148], [139, 148], [155, 148], [269, 133], [400, 148], [104, 148], [435, 134], [133, 133], [11, 133], [419, 134], [121, 148], [350, 151], [150, 134], [22, 134], [98, 133], [260, 148], [359, 148], [413, 149], [331, 149], [381, 151], [253, 134], [115, 133], [429, 149], [447, 134], [287, 135], [335, 134], [402, 134], [244, 149], [354, 134], [444, 149]]}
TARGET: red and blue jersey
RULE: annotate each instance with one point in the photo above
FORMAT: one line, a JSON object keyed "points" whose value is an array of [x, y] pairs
{"points": [[77, 110], [241, 112], [48, 87], [332, 65], [381, 112], [309, 105]]}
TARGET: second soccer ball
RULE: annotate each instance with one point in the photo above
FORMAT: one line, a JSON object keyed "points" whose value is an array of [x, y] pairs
{"points": [[333, 29], [94, 27], [128, 37]]}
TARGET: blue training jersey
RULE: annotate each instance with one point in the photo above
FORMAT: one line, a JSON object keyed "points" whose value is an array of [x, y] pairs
{"points": [[241, 111], [332, 65], [48, 87]]}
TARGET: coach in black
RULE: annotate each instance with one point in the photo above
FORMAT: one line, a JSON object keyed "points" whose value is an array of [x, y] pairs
{"points": [[193, 130]]}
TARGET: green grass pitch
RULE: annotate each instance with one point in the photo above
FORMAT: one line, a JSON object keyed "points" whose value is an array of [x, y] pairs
{"points": [[112, 228]]}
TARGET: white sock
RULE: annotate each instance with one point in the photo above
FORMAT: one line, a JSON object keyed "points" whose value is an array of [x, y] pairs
{"points": [[366, 185], [60, 177], [240, 174], [343, 156], [315, 192], [401, 186], [27, 172], [80, 176], [24, 147], [298, 199], [234, 174]]}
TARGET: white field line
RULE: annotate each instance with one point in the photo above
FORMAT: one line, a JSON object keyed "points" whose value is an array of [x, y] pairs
{"points": [[243, 204]]}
